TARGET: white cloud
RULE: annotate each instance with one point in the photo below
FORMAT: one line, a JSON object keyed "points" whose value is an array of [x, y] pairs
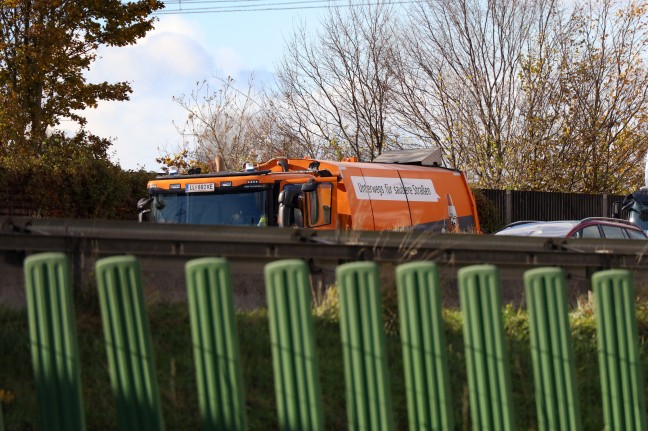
{"points": [[167, 62], [181, 51], [177, 25], [139, 128]]}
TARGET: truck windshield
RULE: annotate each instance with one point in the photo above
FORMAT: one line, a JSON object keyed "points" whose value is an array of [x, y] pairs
{"points": [[246, 208], [639, 215]]}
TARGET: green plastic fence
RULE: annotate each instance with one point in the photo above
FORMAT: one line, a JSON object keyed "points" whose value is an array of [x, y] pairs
{"points": [[294, 358], [56, 364], [53, 340], [551, 350], [619, 360], [363, 345], [487, 364], [128, 344], [215, 344], [424, 347]]}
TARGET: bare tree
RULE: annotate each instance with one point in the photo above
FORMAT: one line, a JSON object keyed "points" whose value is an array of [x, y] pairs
{"points": [[459, 79], [219, 121], [238, 124], [528, 95], [274, 139], [335, 90], [223, 121]]}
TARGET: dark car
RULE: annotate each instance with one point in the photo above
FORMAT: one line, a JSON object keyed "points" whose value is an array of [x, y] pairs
{"points": [[593, 227]]}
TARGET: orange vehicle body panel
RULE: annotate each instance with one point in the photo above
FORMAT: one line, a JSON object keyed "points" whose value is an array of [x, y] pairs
{"points": [[366, 196]]}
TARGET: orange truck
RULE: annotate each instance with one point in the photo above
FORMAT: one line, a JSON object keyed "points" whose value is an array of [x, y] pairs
{"points": [[400, 190]]}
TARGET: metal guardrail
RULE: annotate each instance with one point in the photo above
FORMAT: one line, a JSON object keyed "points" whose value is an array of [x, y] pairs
{"points": [[165, 247], [100, 238]]}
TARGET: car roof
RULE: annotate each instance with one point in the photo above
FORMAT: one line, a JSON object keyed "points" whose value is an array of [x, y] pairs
{"points": [[561, 228], [539, 228]]}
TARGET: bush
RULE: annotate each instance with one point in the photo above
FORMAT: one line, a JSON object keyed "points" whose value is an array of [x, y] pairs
{"points": [[70, 178]]}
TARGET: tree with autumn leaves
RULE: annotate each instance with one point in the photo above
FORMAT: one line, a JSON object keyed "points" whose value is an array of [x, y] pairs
{"points": [[46, 46], [542, 95]]}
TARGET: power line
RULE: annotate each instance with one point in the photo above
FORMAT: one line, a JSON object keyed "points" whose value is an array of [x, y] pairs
{"points": [[246, 6], [234, 3]]}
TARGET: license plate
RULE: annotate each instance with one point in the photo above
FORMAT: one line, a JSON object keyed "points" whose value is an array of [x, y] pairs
{"points": [[201, 187]]}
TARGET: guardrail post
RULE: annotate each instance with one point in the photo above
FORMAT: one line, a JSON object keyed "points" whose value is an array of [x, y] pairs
{"points": [[619, 359], [215, 344], [424, 347], [363, 345], [487, 362], [509, 206], [128, 343], [294, 358], [53, 339], [551, 350]]}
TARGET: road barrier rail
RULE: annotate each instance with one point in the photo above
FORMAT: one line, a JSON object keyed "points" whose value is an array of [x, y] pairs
{"points": [[165, 248], [31, 235]]}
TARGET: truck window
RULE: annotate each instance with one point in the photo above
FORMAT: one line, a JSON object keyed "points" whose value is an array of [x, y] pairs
{"points": [[319, 205], [235, 207]]}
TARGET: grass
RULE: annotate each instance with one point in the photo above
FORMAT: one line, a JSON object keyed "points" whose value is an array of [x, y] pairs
{"points": [[174, 361]]}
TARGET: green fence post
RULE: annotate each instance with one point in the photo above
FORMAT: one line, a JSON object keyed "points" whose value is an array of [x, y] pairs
{"points": [[619, 359], [424, 347], [551, 350], [128, 343], [215, 344], [294, 358], [53, 340], [363, 344], [487, 363]]}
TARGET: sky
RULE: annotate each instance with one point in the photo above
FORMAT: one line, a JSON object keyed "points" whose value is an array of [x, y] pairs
{"points": [[226, 38]]}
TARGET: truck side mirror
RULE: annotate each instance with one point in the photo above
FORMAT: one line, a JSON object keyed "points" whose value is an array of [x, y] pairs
{"points": [[616, 209], [286, 216], [310, 186], [283, 214], [144, 208], [143, 203]]}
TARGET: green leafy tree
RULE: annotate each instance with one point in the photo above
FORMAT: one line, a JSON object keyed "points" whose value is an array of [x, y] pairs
{"points": [[45, 48]]}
